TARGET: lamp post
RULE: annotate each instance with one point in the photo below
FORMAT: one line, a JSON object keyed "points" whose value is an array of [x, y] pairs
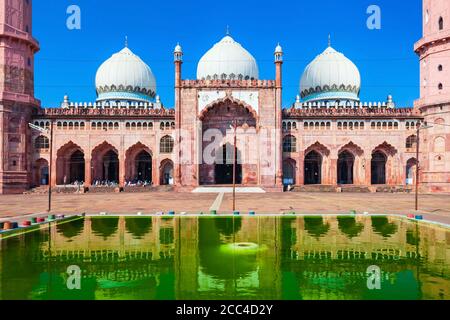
{"points": [[46, 131], [418, 163], [234, 126]]}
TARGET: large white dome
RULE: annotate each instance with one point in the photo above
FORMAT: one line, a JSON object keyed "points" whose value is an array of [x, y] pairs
{"points": [[330, 76], [125, 76], [227, 60]]}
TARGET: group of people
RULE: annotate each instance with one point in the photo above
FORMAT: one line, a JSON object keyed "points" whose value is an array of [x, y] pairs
{"points": [[138, 183], [104, 183]]}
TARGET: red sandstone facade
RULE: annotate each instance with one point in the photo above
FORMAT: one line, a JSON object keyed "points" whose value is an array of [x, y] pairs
{"points": [[326, 146]]}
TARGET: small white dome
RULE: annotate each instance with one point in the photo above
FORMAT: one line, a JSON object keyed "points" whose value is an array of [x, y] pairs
{"points": [[227, 60], [330, 76], [178, 49], [125, 76], [278, 49]]}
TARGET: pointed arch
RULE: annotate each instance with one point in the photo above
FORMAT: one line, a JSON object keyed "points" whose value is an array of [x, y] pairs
{"points": [[70, 164], [353, 148], [105, 163], [166, 172], [103, 148], [289, 171], [231, 100], [139, 163], [411, 167], [318, 147], [41, 172], [387, 149]]}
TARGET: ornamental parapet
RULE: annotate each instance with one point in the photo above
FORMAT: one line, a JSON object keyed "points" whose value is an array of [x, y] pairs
{"points": [[228, 84], [107, 112], [352, 112]]}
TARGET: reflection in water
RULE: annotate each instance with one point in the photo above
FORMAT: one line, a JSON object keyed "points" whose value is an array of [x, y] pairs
{"points": [[350, 227], [381, 225], [228, 226], [228, 258], [105, 227], [316, 227], [138, 227], [72, 229]]}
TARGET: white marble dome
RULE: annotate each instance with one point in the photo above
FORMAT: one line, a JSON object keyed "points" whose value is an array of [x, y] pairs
{"points": [[125, 76], [227, 60], [330, 77]]}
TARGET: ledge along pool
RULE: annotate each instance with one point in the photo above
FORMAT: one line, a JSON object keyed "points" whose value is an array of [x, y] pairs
{"points": [[281, 258]]}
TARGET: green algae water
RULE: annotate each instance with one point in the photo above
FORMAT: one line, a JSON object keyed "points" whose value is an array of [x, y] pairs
{"points": [[281, 258]]}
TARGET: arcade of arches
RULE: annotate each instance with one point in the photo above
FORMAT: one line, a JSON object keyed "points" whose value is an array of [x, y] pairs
{"points": [[105, 166], [351, 165]]}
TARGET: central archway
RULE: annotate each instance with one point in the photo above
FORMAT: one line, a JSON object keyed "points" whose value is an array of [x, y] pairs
{"points": [[217, 161], [346, 163], [313, 168], [223, 168]]}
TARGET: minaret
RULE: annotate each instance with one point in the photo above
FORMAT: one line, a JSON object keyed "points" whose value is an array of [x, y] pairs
{"points": [[434, 52], [279, 111], [434, 103], [17, 102], [178, 60]]}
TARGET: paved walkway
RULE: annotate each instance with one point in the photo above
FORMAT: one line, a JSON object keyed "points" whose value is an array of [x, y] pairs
{"points": [[433, 207]]}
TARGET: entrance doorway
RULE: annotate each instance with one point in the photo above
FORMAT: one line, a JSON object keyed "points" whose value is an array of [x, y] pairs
{"points": [[378, 168], [313, 168], [223, 168], [345, 166], [144, 167]]}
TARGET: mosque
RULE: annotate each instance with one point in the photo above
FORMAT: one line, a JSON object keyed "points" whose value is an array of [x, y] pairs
{"points": [[327, 140]]}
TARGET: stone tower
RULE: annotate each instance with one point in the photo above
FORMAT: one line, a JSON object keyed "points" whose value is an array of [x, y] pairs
{"points": [[17, 102], [434, 103]]}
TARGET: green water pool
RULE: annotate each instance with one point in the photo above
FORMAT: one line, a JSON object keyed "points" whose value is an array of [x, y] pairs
{"points": [[281, 258]]}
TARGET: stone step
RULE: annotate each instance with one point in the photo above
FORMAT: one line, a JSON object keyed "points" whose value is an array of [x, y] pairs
{"points": [[314, 188], [353, 189]]}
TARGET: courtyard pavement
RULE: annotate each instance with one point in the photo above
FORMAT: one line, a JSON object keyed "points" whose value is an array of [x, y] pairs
{"points": [[433, 207]]}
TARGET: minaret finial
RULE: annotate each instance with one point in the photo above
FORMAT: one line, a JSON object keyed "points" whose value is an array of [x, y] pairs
{"points": [[126, 41], [329, 40], [228, 30]]}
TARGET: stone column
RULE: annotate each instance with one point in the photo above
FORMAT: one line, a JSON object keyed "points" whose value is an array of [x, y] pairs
{"points": [[54, 171], [333, 171], [300, 170], [122, 170], [87, 172], [155, 171], [368, 172]]}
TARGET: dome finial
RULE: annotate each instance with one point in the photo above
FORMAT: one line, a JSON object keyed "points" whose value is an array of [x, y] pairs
{"points": [[228, 30], [126, 41], [329, 40]]}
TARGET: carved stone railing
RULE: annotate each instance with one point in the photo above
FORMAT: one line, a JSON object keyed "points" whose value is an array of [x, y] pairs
{"points": [[348, 112], [93, 112], [228, 83]]}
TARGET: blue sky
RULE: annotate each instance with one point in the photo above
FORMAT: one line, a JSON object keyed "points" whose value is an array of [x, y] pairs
{"points": [[68, 59]]}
